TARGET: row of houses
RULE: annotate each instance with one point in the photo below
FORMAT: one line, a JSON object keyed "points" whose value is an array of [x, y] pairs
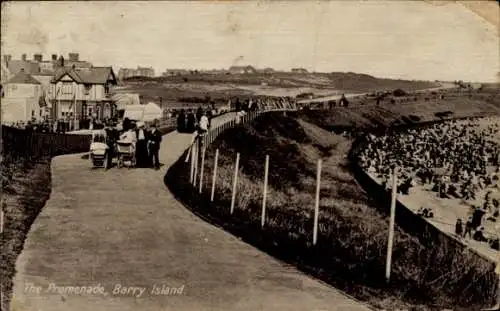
{"points": [[124, 73], [231, 70], [72, 90]]}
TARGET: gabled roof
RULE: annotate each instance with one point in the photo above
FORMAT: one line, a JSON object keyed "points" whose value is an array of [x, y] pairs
{"points": [[93, 75], [23, 78]]}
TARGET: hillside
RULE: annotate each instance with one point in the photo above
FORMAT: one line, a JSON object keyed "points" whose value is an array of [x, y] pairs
{"points": [[353, 230], [223, 86], [365, 113]]}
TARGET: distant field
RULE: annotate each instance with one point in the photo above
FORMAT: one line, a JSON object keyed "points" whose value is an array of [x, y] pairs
{"points": [[221, 87]]}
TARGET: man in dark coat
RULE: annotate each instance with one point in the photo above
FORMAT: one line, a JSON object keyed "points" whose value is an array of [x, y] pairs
{"points": [[154, 146], [199, 113], [181, 122], [141, 145], [191, 121]]}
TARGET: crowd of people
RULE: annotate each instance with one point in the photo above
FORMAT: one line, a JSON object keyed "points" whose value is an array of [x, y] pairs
{"points": [[62, 126], [457, 159], [188, 120], [144, 139]]}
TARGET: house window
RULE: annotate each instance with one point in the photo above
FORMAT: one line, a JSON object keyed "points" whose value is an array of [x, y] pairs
{"points": [[87, 88], [106, 89], [67, 88]]}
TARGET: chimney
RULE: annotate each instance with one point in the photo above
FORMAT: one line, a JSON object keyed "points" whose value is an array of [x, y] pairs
{"points": [[60, 63], [54, 57], [7, 58], [73, 57], [23, 57], [38, 58]]}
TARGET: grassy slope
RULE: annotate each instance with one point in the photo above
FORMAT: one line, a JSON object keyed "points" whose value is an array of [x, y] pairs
{"points": [[172, 88], [25, 189], [352, 233], [368, 114]]}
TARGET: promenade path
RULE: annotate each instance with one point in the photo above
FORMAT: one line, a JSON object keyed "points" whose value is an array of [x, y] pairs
{"points": [[123, 227]]}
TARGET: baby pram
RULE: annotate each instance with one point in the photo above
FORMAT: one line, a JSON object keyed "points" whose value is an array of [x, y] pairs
{"points": [[125, 151]]}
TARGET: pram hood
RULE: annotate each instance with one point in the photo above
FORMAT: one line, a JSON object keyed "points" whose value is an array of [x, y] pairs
{"points": [[95, 146]]}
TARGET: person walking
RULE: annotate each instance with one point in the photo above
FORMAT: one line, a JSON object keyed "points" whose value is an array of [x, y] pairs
{"points": [[142, 145], [191, 121], [181, 122], [199, 113], [154, 146], [203, 123]]}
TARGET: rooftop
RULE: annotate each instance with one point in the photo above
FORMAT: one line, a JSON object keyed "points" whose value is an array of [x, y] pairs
{"points": [[23, 78], [93, 75]]}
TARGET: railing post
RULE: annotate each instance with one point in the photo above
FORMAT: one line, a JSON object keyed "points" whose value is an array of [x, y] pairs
{"points": [[202, 166], [391, 227], [235, 181], [196, 162], [316, 206], [264, 196], [191, 172], [214, 177]]}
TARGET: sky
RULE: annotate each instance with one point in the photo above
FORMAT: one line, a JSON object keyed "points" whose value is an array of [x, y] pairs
{"points": [[407, 40]]}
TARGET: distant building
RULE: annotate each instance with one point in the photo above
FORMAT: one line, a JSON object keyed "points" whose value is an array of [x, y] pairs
{"points": [[299, 70], [74, 61], [214, 71], [176, 72], [37, 65], [5, 74], [268, 70], [124, 73], [242, 70], [81, 93], [22, 99]]}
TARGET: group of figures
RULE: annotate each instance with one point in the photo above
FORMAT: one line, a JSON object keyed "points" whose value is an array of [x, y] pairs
{"points": [[457, 159], [190, 121], [145, 140]]}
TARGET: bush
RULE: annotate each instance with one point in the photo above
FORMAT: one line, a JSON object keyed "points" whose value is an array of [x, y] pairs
{"points": [[399, 93]]}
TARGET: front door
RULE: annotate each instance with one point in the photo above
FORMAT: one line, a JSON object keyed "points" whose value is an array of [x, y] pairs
{"points": [[84, 109]]}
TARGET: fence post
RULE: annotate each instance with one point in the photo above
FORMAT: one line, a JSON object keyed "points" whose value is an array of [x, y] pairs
{"points": [[316, 206], [202, 166], [191, 171], [214, 177], [391, 226], [195, 163], [264, 196], [235, 181]]}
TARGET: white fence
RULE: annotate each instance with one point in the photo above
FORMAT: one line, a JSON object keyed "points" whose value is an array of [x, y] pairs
{"points": [[197, 174], [197, 165]]}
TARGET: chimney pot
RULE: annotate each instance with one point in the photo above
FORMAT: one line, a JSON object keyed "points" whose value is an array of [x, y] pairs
{"points": [[73, 57]]}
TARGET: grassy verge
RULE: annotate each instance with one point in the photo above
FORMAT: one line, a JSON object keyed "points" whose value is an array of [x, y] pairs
{"points": [[25, 188], [352, 240]]}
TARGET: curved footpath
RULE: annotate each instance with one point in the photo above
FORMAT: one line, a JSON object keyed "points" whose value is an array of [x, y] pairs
{"points": [[123, 228]]}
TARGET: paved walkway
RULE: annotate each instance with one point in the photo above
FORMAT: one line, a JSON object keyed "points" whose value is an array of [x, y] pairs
{"points": [[123, 227]]}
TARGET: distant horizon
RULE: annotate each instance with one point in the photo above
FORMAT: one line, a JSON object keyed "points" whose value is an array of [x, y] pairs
{"points": [[409, 40], [158, 74]]}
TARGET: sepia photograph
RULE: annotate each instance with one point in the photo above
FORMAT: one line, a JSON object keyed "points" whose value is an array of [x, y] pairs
{"points": [[250, 155]]}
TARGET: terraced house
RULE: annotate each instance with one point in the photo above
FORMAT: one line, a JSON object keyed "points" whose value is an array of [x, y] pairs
{"points": [[83, 93]]}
